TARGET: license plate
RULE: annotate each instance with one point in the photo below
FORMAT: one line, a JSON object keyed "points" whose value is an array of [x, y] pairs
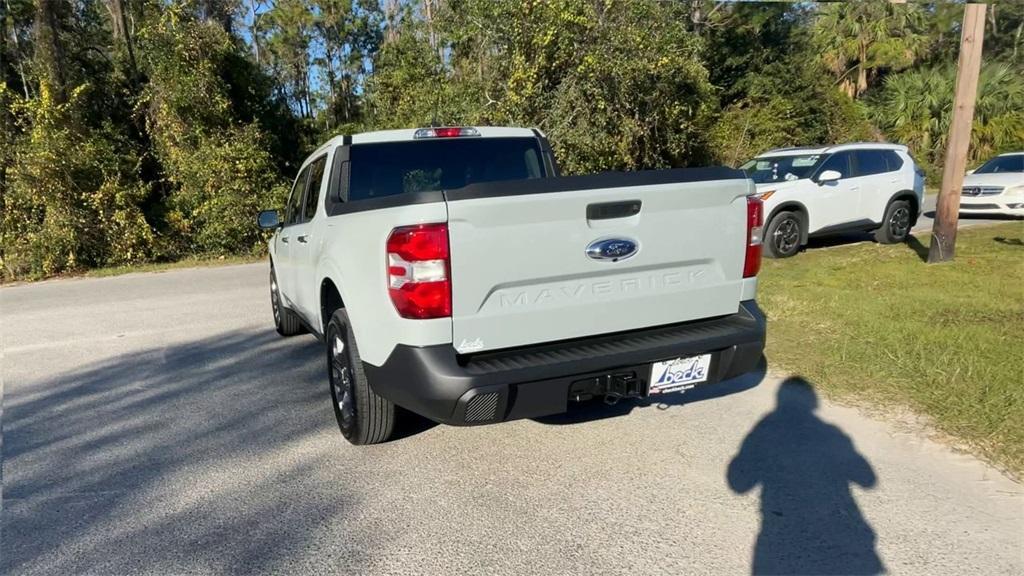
{"points": [[679, 373]]}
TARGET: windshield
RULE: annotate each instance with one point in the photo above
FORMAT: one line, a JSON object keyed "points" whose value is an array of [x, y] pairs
{"points": [[390, 168], [781, 168], [1001, 164]]}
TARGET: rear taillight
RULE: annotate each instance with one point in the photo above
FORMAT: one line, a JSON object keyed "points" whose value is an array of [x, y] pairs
{"points": [[755, 223], [418, 271]]}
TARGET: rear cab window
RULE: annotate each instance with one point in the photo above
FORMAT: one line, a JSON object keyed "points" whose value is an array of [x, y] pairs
{"points": [[385, 169]]}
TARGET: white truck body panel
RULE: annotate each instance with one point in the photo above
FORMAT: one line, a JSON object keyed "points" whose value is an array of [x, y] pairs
{"points": [[520, 275], [353, 258]]}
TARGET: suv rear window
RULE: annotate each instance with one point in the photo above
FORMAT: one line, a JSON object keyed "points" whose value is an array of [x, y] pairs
{"points": [[390, 168], [893, 160]]}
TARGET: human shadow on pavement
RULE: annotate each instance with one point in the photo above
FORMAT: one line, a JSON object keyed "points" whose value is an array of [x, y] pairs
{"points": [[810, 522], [597, 409]]}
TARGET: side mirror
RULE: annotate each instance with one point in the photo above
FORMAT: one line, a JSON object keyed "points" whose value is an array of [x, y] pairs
{"points": [[829, 176], [269, 219]]}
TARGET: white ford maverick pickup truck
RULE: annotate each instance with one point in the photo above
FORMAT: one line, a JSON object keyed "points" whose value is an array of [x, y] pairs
{"points": [[452, 272]]}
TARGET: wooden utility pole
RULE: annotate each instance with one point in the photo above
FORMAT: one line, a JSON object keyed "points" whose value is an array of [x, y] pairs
{"points": [[947, 210]]}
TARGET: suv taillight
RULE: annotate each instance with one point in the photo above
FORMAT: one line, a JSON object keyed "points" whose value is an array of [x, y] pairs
{"points": [[418, 271], [755, 222]]}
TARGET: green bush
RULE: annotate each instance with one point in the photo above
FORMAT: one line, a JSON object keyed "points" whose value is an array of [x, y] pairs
{"points": [[219, 168], [71, 198]]}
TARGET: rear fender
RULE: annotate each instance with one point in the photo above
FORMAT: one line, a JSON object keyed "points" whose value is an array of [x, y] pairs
{"points": [[329, 270], [909, 196]]}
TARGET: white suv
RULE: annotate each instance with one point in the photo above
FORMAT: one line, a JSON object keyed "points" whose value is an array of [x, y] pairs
{"points": [[819, 191]]}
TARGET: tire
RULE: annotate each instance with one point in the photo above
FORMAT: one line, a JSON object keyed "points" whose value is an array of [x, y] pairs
{"points": [[363, 416], [783, 235], [896, 223], [285, 320]]}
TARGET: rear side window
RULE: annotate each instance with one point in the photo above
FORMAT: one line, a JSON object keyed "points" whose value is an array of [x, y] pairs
{"points": [[316, 175], [389, 168], [870, 162], [892, 160], [295, 200], [840, 162]]}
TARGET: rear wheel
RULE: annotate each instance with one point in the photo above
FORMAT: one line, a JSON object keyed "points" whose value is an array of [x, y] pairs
{"points": [[363, 416], [896, 224], [782, 238], [286, 321]]}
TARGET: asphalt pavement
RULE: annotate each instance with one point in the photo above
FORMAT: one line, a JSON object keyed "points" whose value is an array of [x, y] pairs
{"points": [[156, 424]]}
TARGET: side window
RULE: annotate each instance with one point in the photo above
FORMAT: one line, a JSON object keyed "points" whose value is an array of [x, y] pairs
{"points": [[840, 162], [893, 160], [870, 162], [295, 200], [316, 176]]}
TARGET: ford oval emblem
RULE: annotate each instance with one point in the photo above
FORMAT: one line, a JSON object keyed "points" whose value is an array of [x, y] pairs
{"points": [[613, 249]]}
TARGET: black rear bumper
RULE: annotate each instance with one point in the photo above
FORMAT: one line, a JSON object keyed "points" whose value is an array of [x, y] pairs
{"points": [[539, 380]]}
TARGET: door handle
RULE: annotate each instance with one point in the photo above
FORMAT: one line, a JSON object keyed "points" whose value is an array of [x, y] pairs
{"points": [[284, 239], [608, 210], [302, 238]]}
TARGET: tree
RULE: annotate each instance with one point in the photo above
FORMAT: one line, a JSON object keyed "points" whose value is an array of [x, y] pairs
{"points": [[289, 29], [915, 108], [218, 165], [858, 40], [349, 33]]}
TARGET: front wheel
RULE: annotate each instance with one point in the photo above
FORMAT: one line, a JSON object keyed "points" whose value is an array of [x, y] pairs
{"points": [[782, 238], [363, 416], [896, 224]]}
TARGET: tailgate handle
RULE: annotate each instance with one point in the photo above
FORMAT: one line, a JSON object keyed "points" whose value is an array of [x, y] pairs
{"points": [[608, 210]]}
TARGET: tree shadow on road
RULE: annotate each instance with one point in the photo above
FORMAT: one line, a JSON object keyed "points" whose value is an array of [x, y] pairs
{"points": [[597, 409], [810, 522], [194, 457]]}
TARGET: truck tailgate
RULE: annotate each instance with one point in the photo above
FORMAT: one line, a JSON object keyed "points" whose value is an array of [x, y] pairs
{"points": [[520, 268]]}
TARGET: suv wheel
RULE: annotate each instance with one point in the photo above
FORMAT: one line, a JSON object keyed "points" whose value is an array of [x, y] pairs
{"points": [[363, 416], [896, 224], [286, 321], [782, 238]]}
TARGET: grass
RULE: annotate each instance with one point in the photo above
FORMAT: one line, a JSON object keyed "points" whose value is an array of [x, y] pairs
{"points": [[193, 262], [872, 323], [189, 262]]}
